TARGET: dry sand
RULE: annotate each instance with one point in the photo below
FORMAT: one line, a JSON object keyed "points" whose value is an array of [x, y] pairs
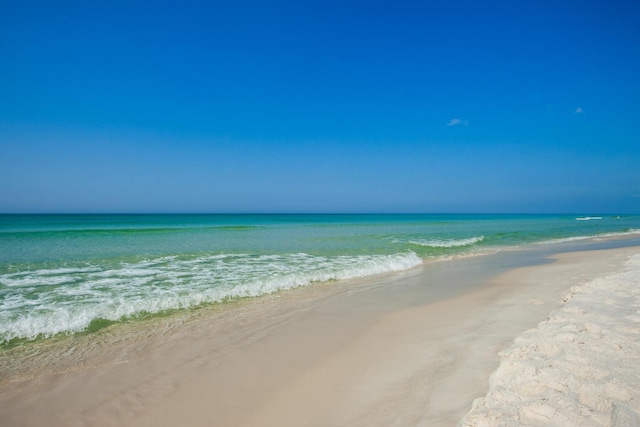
{"points": [[580, 367], [371, 354]]}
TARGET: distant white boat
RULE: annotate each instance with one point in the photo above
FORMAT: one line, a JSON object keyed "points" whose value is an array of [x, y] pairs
{"points": [[588, 218]]}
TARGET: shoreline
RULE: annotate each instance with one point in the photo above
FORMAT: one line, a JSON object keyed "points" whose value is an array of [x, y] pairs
{"points": [[385, 351], [63, 322], [579, 367]]}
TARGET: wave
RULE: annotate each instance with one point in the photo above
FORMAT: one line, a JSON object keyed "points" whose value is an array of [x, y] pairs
{"points": [[615, 234], [74, 298], [588, 218], [447, 243]]}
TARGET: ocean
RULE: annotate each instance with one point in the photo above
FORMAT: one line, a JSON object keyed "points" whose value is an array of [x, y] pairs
{"points": [[65, 274]]}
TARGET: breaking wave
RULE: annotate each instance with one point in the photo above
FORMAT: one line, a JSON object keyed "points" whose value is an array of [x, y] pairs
{"points": [[453, 243], [46, 302]]}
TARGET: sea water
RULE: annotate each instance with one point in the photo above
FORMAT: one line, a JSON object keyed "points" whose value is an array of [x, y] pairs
{"points": [[63, 274]]}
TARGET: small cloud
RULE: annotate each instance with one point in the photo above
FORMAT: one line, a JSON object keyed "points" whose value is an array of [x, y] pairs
{"points": [[578, 110], [455, 122]]}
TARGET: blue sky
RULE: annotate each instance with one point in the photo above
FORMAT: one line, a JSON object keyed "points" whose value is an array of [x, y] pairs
{"points": [[320, 106]]}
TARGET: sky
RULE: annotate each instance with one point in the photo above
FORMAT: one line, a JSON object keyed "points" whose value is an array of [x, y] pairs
{"points": [[320, 106]]}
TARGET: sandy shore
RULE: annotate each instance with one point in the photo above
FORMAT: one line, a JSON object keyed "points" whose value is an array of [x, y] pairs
{"points": [[580, 367], [391, 351]]}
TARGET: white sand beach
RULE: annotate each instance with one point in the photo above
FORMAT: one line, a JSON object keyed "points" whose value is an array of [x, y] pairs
{"points": [[364, 354], [580, 367]]}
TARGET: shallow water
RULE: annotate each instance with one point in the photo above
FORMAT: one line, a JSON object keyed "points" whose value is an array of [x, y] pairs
{"points": [[62, 274]]}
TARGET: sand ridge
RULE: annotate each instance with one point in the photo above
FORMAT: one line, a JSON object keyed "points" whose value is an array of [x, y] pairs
{"points": [[580, 367]]}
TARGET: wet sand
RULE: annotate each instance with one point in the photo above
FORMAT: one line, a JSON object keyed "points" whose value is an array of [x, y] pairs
{"points": [[410, 349]]}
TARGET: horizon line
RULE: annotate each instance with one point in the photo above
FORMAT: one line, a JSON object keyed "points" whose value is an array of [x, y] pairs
{"points": [[318, 213]]}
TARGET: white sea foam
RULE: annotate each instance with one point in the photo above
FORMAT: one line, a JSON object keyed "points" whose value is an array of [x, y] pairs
{"points": [[628, 233], [26, 280], [151, 286], [588, 218], [43, 277], [453, 243]]}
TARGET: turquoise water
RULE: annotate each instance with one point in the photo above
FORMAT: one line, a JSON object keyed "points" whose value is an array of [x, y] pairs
{"points": [[72, 273]]}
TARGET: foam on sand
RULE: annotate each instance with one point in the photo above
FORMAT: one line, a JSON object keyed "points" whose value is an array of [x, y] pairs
{"points": [[46, 302], [580, 367]]}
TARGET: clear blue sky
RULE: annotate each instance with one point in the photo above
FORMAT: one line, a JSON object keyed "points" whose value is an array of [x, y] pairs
{"points": [[320, 106]]}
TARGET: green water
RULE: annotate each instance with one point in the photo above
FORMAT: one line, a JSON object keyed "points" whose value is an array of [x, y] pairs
{"points": [[72, 273]]}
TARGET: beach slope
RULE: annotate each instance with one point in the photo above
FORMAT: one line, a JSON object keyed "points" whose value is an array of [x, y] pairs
{"points": [[580, 367], [416, 349]]}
